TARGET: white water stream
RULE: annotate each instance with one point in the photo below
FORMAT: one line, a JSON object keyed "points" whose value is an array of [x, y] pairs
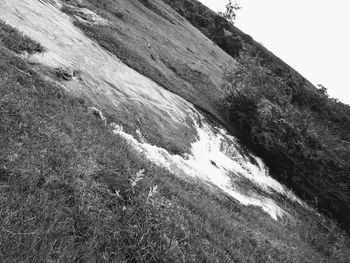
{"points": [[215, 156]]}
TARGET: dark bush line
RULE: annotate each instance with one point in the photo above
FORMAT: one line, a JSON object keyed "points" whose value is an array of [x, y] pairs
{"points": [[302, 149]]}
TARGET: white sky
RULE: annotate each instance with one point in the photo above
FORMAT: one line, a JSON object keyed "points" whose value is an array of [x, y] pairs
{"points": [[312, 36]]}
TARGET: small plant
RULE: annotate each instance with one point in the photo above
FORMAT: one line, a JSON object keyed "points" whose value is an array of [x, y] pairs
{"points": [[136, 178], [230, 14], [152, 192]]}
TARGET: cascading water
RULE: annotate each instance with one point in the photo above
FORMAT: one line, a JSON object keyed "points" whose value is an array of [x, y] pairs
{"points": [[215, 157], [217, 160]]}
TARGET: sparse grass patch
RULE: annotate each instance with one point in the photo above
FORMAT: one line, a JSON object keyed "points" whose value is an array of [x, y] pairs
{"points": [[108, 39], [16, 41], [185, 72], [154, 6]]}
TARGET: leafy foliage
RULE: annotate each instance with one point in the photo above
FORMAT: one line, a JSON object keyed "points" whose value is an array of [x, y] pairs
{"points": [[230, 13]]}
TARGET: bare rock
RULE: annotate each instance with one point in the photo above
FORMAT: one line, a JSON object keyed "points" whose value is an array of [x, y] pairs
{"points": [[98, 114]]}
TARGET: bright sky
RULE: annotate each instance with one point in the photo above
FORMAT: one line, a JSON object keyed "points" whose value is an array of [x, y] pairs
{"points": [[312, 36]]}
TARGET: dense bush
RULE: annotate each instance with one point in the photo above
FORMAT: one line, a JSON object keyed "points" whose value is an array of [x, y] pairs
{"points": [[302, 149]]}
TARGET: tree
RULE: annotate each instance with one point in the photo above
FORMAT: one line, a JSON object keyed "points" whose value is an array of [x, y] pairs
{"points": [[230, 14]]}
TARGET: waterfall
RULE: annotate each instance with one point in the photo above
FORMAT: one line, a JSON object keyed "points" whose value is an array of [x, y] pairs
{"points": [[217, 160]]}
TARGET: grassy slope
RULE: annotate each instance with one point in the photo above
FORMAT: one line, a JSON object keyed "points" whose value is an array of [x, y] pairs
{"points": [[70, 191]]}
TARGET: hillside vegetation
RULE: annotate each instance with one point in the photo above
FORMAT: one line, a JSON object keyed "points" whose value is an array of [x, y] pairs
{"points": [[72, 191], [303, 147], [301, 133]]}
